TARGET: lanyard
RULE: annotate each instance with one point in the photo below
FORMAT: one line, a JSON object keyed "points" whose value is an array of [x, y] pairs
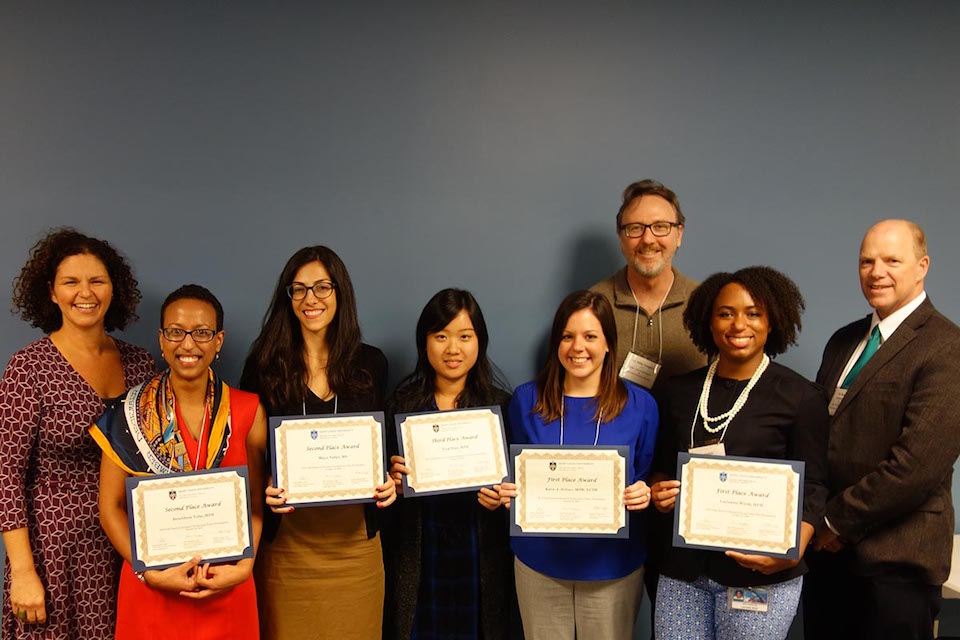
{"points": [[636, 318], [595, 437], [335, 398]]}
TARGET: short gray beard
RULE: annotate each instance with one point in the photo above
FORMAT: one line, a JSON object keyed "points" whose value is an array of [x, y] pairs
{"points": [[648, 272]]}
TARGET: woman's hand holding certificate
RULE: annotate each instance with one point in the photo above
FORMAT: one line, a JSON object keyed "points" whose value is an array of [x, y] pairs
{"points": [[177, 518], [750, 505], [450, 451], [571, 491], [331, 459]]}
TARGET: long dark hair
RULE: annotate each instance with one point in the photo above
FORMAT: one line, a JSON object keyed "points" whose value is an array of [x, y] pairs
{"points": [[485, 384], [613, 393], [275, 367]]}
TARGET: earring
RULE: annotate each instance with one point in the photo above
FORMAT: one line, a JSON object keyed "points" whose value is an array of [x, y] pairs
{"points": [[217, 357]]}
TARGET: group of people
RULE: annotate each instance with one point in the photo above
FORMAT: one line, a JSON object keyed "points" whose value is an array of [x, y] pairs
{"points": [[647, 359]]}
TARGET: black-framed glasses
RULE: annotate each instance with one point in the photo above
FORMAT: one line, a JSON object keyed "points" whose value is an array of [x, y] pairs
{"points": [[174, 334], [322, 289], [659, 228]]}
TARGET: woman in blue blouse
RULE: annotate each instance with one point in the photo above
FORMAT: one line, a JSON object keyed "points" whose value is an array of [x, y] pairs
{"points": [[583, 587]]}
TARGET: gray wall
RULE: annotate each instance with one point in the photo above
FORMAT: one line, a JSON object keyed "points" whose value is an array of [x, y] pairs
{"points": [[481, 145]]}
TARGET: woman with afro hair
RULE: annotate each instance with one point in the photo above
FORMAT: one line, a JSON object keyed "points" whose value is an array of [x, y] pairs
{"points": [[742, 404]]}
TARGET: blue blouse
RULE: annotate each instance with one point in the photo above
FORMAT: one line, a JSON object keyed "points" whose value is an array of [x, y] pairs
{"points": [[636, 427]]}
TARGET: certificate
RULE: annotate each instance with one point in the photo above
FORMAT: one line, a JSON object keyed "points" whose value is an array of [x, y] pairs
{"points": [[328, 459], [569, 491], [178, 516], [743, 504], [452, 451]]}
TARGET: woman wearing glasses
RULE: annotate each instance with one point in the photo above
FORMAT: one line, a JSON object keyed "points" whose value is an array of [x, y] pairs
{"points": [[184, 419], [61, 573], [320, 575]]}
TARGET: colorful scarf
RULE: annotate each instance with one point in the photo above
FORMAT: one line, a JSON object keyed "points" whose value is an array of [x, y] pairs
{"points": [[139, 430]]}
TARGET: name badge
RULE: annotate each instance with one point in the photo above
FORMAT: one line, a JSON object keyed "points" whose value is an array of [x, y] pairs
{"points": [[748, 598], [836, 400], [640, 370], [715, 449]]}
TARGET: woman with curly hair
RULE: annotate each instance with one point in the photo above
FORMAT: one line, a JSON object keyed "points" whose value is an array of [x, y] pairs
{"points": [[61, 574], [320, 571], [742, 404]]}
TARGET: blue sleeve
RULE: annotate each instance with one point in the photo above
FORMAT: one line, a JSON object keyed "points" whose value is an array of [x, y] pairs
{"points": [[518, 416], [649, 421]]}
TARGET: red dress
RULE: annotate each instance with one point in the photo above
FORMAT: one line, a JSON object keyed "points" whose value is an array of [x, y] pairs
{"points": [[148, 614]]}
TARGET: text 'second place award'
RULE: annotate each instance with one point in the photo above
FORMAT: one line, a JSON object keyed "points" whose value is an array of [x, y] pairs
{"points": [[569, 491], [328, 459], [178, 516], [452, 451], [742, 504]]}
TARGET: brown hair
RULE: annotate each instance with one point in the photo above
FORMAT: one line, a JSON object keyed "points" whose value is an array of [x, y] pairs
{"points": [[649, 188], [275, 368], [613, 393]]}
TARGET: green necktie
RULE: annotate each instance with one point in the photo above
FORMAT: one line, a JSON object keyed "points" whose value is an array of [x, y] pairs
{"points": [[872, 345]]}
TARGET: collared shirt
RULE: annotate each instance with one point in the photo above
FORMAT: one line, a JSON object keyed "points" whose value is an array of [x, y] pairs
{"points": [[887, 326]]}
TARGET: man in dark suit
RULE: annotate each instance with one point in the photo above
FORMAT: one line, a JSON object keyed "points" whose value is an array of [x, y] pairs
{"points": [[894, 378]]}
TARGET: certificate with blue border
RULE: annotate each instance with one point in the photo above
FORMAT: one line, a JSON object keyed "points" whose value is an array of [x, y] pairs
{"points": [[328, 459], [177, 516], [565, 491], [452, 451], [751, 505]]}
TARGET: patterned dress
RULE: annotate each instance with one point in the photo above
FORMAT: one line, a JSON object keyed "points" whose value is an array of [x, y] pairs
{"points": [[48, 482]]}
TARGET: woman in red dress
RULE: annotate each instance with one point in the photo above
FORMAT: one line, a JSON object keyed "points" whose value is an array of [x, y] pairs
{"points": [[186, 419]]}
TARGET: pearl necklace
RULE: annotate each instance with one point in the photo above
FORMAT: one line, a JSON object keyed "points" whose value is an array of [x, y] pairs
{"points": [[725, 418]]}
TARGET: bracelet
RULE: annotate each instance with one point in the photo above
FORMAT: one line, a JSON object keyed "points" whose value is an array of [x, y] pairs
{"points": [[140, 577]]}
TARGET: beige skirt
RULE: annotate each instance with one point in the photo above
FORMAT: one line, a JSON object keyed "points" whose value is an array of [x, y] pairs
{"points": [[321, 577]]}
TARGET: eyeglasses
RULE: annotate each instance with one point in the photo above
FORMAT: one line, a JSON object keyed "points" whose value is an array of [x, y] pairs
{"points": [[658, 228], [322, 289], [174, 334]]}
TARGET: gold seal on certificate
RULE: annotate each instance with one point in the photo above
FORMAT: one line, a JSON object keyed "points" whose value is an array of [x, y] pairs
{"points": [[743, 504], [177, 516], [452, 451], [569, 491], [328, 459]]}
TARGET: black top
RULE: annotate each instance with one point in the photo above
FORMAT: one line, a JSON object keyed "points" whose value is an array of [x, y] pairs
{"points": [[785, 418], [403, 550], [373, 362]]}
